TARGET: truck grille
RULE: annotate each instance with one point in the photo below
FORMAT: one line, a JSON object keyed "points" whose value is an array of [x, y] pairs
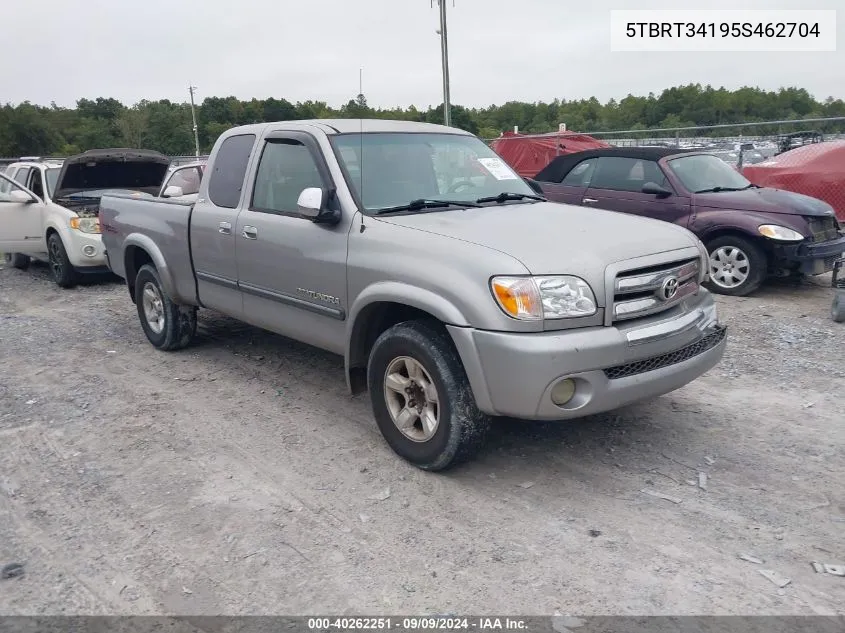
{"points": [[645, 291], [664, 360], [823, 229]]}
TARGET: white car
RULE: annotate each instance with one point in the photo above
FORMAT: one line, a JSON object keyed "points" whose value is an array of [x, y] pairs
{"points": [[183, 181], [49, 208]]}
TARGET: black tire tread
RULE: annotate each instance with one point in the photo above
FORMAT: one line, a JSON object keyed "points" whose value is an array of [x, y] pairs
{"points": [[180, 321], [468, 425], [18, 260], [69, 277]]}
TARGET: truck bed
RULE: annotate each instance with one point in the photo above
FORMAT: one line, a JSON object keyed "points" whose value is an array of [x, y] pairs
{"points": [[157, 227]]}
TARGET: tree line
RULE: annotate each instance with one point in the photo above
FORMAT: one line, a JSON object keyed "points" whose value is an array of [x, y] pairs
{"points": [[166, 126]]}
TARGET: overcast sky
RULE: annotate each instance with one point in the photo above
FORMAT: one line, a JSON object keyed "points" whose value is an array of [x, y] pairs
{"points": [[500, 50]]}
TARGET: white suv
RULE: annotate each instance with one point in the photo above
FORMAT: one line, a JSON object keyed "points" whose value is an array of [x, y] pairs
{"points": [[49, 208]]}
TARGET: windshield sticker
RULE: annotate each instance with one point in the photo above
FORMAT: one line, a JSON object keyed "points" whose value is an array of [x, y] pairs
{"points": [[498, 169]]}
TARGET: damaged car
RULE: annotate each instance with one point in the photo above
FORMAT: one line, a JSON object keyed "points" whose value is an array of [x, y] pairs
{"points": [[49, 208]]}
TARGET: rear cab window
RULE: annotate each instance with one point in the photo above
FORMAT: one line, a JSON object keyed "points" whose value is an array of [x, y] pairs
{"points": [[226, 181]]}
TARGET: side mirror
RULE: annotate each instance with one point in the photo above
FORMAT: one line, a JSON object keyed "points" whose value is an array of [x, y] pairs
{"points": [[655, 189], [172, 191], [17, 195], [535, 186], [313, 204]]}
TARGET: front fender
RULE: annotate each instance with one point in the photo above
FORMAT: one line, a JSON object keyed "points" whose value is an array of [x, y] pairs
{"points": [[143, 242], [397, 293], [709, 222]]}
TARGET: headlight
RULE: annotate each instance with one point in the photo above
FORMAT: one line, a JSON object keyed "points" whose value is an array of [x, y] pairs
{"points": [[85, 225], [547, 297], [782, 233]]}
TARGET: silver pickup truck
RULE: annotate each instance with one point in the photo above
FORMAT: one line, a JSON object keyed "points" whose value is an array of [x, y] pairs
{"points": [[452, 290]]}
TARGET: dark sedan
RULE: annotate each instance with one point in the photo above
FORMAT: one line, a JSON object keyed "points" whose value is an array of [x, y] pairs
{"points": [[750, 232]]}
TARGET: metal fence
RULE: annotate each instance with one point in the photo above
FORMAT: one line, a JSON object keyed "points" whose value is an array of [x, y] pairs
{"points": [[762, 133]]}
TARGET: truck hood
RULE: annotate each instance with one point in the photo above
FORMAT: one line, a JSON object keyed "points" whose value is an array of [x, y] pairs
{"points": [[765, 200], [554, 238], [98, 169]]}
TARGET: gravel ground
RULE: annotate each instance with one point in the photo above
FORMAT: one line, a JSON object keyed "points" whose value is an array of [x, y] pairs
{"points": [[237, 477]]}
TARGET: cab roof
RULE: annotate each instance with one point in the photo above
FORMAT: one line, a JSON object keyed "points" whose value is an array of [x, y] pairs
{"points": [[350, 126]]}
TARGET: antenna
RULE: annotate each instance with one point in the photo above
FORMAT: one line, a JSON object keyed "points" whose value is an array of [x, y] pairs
{"points": [[361, 148], [194, 118]]}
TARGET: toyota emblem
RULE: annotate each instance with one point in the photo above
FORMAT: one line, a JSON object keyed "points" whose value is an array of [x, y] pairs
{"points": [[669, 288]]}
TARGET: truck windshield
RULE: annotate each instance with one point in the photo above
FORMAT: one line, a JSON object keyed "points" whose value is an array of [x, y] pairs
{"points": [[51, 175], [401, 167], [700, 173]]}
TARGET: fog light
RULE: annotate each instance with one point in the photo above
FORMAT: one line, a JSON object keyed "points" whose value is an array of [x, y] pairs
{"points": [[563, 391], [89, 250]]}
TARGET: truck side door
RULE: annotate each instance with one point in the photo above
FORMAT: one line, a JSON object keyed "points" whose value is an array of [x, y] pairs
{"points": [[213, 220], [20, 218], [292, 271], [571, 189], [617, 185]]}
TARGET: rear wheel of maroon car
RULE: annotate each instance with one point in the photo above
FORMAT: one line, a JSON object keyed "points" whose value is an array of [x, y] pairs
{"points": [[737, 265]]}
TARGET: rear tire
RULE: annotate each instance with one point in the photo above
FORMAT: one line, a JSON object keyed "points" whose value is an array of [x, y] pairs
{"points": [[64, 273], [16, 260], [837, 310], [737, 266], [168, 326], [421, 397]]}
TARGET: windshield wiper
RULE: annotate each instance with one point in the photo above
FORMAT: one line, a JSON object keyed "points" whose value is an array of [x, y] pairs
{"points": [[423, 203], [718, 189], [504, 197]]}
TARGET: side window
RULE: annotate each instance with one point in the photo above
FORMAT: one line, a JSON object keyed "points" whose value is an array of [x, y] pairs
{"points": [[227, 180], [626, 174], [580, 175], [6, 188], [188, 179], [6, 185], [22, 175], [285, 169], [36, 183]]}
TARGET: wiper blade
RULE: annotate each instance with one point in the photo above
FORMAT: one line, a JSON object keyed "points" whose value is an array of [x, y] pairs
{"points": [[718, 189], [423, 203], [504, 197]]}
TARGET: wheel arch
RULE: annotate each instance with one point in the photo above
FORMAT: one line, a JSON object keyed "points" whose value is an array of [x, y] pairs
{"points": [[382, 306]]}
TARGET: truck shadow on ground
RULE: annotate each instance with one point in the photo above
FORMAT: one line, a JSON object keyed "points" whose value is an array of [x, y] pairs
{"points": [[651, 425]]}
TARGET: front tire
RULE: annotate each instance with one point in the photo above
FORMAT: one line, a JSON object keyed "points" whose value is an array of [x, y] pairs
{"points": [[421, 397], [168, 326], [64, 273], [16, 260], [737, 266]]}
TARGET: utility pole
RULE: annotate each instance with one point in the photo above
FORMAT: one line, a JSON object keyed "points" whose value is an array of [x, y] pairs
{"points": [[444, 55], [194, 118]]}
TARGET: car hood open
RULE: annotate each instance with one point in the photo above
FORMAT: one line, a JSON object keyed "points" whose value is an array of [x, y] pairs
{"points": [[127, 169]]}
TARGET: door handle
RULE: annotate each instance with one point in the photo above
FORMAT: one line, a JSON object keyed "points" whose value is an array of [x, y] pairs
{"points": [[250, 232], [589, 200], [225, 228]]}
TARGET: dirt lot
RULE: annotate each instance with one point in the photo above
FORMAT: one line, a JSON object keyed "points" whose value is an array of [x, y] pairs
{"points": [[238, 477]]}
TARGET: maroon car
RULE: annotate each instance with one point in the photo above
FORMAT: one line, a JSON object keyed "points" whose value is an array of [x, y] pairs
{"points": [[750, 231]]}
